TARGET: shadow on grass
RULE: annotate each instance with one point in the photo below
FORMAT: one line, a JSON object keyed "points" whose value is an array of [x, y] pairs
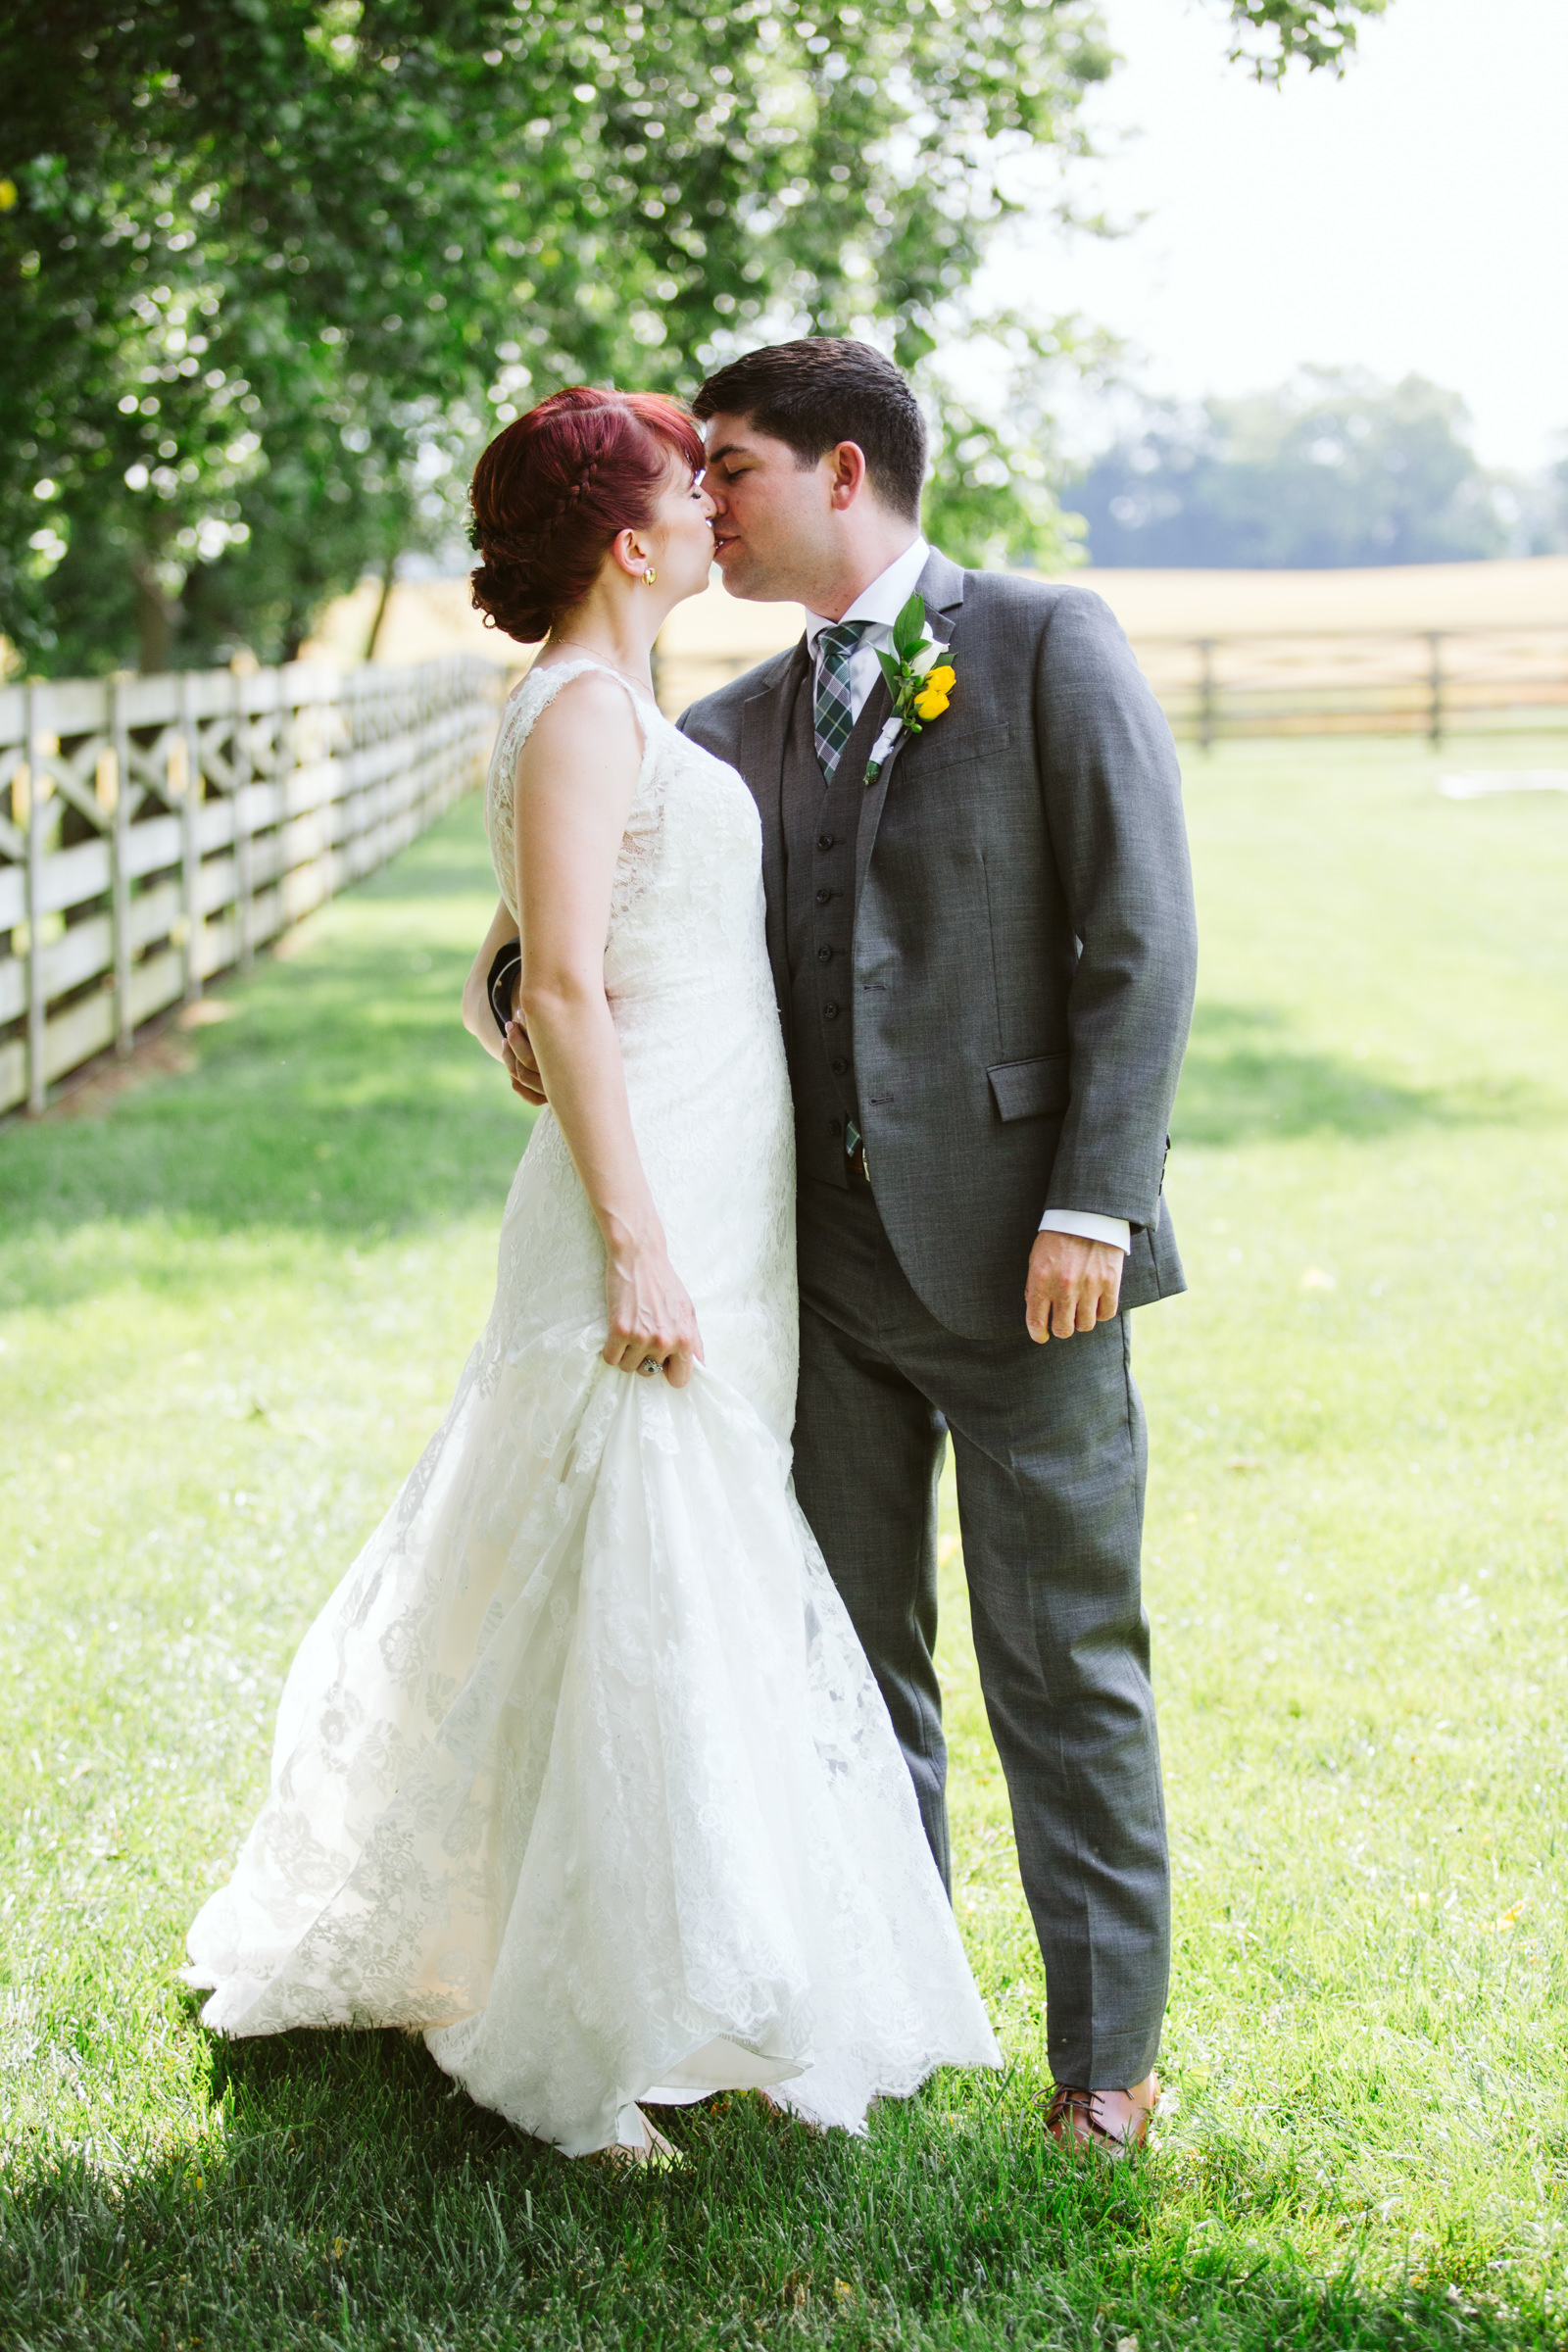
{"points": [[1244, 1081], [350, 2195], [340, 1095]]}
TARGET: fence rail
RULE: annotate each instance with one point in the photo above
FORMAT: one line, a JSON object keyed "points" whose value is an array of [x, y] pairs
{"points": [[162, 829], [1432, 682]]}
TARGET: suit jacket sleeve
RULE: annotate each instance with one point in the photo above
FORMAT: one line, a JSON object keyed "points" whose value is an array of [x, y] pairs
{"points": [[704, 723], [1111, 790]]}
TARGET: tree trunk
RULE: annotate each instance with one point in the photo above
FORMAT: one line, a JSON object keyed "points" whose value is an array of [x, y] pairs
{"points": [[389, 573], [157, 619]]}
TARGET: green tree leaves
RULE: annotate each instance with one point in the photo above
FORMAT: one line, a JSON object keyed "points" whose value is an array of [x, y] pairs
{"points": [[275, 269], [1273, 35]]}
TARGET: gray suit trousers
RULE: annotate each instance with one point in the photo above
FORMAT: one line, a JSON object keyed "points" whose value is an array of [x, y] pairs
{"points": [[1049, 1451]]}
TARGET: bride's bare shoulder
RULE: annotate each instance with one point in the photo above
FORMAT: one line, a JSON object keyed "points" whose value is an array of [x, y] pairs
{"points": [[590, 723]]}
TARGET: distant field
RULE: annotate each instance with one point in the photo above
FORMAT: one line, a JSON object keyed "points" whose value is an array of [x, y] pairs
{"points": [[712, 637], [716, 637], [1413, 596]]}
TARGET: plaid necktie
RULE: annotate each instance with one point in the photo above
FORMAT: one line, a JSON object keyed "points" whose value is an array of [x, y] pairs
{"points": [[835, 713]]}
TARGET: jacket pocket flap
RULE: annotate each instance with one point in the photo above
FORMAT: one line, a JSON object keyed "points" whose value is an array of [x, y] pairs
{"points": [[1025, 1089], [939, 751]]}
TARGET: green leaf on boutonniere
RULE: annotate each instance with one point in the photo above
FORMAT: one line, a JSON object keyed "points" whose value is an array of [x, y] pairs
{"points": [[917, 660], [908, 629]]}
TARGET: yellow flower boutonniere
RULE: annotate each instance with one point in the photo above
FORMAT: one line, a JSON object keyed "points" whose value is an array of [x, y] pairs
{"points": [[920, 680]]}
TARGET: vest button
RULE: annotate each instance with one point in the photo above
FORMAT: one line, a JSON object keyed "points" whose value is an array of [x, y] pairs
{"points": [[830, 1013], [824, 841], [822, 897], [838, 1067], [824, 954]]}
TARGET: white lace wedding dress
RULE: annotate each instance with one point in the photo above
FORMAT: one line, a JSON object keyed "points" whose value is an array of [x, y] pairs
{"points": [[581, 1768]]}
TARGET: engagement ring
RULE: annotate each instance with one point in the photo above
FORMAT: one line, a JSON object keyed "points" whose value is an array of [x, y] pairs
{"points": [[648, 1367]]}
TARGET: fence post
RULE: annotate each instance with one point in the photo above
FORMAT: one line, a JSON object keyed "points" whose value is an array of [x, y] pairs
{"points": [[1435, 717], [348, 775], [435, 790], [239, 760], [37, 1032], [309, 727], [190, 874], [1206, 693], [423, 695], [284, 770], [119, 868], [337, 812]]}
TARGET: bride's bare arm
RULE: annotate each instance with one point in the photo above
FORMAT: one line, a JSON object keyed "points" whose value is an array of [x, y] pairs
{"points": [[576, 779], [478, 1017]]}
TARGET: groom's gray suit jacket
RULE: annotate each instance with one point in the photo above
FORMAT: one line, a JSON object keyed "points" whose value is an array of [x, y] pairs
{"points": [[1023, 937]]}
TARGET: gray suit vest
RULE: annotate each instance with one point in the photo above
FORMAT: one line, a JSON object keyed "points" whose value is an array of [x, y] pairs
{"points": [[822, 826]]}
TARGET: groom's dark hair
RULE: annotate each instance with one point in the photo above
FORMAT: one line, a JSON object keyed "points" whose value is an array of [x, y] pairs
{"points": [[826, 389]]}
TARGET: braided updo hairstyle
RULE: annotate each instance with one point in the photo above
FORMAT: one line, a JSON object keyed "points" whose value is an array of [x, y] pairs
{"points": [[552, 490]]}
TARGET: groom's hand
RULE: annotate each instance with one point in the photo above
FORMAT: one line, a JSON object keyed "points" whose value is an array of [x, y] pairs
{"points": [[517, 1053], [1072, 1285]]}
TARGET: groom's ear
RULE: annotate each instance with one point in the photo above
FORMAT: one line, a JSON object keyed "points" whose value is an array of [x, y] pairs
{"points": [[846, 473]]}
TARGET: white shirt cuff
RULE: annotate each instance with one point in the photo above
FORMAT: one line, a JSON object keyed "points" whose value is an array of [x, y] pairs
{"points": [[1089, 1227]]}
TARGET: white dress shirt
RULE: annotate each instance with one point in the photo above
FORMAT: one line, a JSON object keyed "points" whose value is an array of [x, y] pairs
{"points": [[880, 605]]}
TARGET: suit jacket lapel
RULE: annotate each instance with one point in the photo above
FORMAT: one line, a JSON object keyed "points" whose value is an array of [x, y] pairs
{"points": [[764, 731], [941, 587]]}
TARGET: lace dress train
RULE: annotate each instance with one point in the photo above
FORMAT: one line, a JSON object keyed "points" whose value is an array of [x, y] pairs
{"points": [[581, 1769]]}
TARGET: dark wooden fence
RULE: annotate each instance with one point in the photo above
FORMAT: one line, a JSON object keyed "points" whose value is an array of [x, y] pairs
{"points": [[1432, 682]]}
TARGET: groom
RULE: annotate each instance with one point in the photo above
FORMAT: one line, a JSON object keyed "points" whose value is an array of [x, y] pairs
{"points": [[983, 948]]}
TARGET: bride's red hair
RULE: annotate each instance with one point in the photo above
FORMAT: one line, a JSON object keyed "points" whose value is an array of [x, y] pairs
{"points": [[552, 490]]}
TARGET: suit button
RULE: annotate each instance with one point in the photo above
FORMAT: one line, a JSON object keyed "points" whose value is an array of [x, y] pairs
{"points": [[824, 954], [830, 1013], [822, 897], [838, 1067], [824, 841], [834, 1127]]}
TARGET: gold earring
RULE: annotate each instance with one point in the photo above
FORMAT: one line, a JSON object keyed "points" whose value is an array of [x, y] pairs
{"points": [[650, 576]]}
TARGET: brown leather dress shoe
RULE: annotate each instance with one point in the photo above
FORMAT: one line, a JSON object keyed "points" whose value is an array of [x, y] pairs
{"points": [[1112, 2122]]}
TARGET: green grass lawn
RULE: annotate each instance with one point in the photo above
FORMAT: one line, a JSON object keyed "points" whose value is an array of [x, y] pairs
{"points": [[232, 1303]]}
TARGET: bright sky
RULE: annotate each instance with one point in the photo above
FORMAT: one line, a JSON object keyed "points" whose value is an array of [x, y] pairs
{"points": [[1412, 216]]}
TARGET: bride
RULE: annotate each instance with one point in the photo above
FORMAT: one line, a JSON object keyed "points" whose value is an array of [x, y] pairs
{"points": [[581, 1769]]}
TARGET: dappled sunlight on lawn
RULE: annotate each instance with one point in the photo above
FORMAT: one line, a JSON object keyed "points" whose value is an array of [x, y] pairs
{"points": [[234, 1303]]}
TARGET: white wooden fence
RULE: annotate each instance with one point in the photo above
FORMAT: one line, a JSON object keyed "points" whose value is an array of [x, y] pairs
{"points": [[161, 829]]}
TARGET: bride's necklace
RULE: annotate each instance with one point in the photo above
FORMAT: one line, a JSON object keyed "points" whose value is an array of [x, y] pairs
{"points": [[621, 673]]}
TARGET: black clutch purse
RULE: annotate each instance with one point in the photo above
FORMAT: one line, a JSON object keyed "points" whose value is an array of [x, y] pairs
{"points": [[503, 973]]}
